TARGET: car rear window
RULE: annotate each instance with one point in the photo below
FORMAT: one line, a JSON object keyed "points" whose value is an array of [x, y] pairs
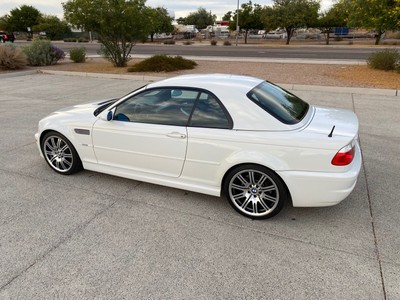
{"points": [[281, 104]]}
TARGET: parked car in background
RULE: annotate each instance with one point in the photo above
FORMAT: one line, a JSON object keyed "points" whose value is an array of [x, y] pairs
{"points": [[6, 37], [238, 136]]}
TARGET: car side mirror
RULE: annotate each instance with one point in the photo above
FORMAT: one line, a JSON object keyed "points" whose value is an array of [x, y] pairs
{"points": [[106, 115], [110, 115]]}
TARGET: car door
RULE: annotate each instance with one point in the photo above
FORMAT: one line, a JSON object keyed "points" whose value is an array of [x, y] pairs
{"points": [[210, 140], [148, 132]]}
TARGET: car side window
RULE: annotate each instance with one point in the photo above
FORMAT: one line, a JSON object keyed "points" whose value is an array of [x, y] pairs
{"points": [[166, 106], [209, 113]]}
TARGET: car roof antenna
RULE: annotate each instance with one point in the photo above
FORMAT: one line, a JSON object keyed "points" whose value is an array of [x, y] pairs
{"points": [[333, 128]]}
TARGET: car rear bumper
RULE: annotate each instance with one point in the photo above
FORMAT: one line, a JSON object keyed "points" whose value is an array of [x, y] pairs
{"points": [[315, 189]]}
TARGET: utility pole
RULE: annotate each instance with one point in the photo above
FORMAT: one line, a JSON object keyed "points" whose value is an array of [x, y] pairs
{"points": [[237, 23]]}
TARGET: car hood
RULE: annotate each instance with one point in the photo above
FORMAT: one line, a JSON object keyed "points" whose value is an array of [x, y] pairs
{"points": [[84, 107], [334, 122], [77, 115]]}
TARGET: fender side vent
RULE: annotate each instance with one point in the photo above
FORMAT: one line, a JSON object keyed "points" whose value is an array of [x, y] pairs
{"points": [[82, 131]]}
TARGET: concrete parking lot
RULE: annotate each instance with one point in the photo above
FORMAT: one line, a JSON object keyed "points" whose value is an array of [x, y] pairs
{"points": [[94, 236]]}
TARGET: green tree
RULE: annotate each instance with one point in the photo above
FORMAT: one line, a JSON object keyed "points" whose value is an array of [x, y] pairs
{"points": [[227, 16], [249, 18], [201, 18], [53, 26], [395, 13], [181, 20], [4, 23], [119, 24], [22, 18], [291, 14], [159, 21], [336, 16], [378, 15]]}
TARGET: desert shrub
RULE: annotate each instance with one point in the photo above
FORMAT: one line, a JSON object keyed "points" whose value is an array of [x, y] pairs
{"points": [[12, 57], [227, 43], [169, 42], [163, 63], [387, 59], [42, 53], [187, 42], [78, 54], [213, 42]]}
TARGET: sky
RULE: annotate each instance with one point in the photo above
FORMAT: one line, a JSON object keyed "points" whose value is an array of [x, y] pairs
{"points": [[179, 8]]}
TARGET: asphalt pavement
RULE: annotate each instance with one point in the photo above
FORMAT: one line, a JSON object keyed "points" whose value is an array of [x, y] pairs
{"points": [[95, 236]]}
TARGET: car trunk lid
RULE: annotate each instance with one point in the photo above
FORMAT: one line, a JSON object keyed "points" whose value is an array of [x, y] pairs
{"points": [[334, 122]]}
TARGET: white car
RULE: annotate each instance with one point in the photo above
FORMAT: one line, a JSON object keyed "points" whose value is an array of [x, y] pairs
{"points": [[215, 134]]}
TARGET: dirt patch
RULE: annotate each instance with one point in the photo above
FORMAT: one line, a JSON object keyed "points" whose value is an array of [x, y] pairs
{"points": [[363, 75], [307, 74]]}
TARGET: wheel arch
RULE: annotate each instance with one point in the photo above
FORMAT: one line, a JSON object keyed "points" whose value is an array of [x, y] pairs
{"points": [[71, 140], [66, 165], [224, 178]]}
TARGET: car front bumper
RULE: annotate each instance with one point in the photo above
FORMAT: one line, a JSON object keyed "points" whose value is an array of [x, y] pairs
{"points": [[316, 189]]}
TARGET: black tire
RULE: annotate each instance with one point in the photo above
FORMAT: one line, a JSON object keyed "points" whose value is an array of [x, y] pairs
{"points": [[60, 154], [255, 191]]}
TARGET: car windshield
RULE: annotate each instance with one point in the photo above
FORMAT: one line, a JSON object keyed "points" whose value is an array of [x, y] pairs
{"points": [[281, 104]]}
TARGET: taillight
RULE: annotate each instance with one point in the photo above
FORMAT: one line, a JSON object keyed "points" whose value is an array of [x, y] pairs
{"points": [[344, 156]]}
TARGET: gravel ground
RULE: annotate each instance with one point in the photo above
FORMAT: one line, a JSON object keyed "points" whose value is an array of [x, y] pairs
{"points": [[308, 74]]}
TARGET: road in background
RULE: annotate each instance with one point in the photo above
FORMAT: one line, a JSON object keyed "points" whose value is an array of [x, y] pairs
{"points": [[242, 51]]}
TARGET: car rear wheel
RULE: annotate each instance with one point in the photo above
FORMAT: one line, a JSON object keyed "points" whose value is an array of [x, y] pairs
{"points": [[60, 154], [255, 191]]}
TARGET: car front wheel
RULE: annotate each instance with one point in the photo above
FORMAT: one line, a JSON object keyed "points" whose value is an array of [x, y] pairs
{"points": [[255, 191], [60, 154]]}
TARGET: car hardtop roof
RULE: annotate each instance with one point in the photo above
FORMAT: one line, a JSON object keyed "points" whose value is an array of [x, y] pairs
{"points": [[208, 80]]}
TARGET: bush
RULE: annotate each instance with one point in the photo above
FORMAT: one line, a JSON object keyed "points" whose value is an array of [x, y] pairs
{"points": [[78, 54], [387, 59], [227, 43], [43, 53], [169, 42], [213, 42], [163, 63], [187, 43], [12, 57]]}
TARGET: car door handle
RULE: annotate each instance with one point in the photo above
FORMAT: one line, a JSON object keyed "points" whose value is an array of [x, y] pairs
{"points": [[176, 135]]}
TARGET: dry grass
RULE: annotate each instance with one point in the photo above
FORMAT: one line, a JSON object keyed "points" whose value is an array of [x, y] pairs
{"points": [[307, 74]]}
